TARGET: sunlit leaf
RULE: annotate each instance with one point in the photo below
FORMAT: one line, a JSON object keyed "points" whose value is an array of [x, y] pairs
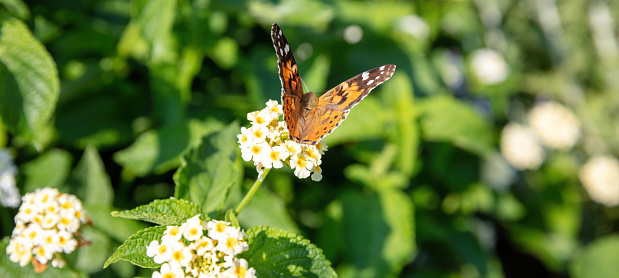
{"points": [[275, 253], [30, 80], [133, 249], [163, 212]]}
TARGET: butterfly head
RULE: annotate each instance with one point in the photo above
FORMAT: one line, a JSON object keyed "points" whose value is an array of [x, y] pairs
{"points": [[309, 101]]}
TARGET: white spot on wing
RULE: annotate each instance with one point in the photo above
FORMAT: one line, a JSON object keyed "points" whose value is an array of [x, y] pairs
{"points": [[281, 52], [280, 32], [365, 75], [370, 82], [287, 48], [382, 68]]}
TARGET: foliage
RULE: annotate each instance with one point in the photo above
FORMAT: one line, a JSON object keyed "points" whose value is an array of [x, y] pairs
{"points": [[134, 106]]}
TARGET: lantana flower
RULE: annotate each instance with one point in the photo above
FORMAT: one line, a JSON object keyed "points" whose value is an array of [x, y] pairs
{"points": [[197, 249], [45, 226], [267, 144]]}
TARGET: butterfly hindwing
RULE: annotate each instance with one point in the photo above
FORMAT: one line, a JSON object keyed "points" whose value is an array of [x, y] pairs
{"points": [[292, 92], [324, 121]]}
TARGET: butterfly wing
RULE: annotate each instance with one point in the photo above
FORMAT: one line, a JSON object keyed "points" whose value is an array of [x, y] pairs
{"points": [[292, 92], [334, 105]]}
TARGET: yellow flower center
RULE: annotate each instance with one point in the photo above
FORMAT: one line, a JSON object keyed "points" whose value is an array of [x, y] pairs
{"points": [[301, 162], [221, 227], [65, 221], [67, 205], [274, 155], [178, 256], [174, 231], [255, 149], [231, 242], [240, 271], [193, 231], [260, 120], [162, 249], [258, 133]]}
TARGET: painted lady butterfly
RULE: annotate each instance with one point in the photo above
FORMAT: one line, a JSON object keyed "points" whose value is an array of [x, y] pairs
{"points": [[309, 118]]}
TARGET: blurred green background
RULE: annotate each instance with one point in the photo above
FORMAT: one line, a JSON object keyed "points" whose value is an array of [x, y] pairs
{"points": [[417, 181]]}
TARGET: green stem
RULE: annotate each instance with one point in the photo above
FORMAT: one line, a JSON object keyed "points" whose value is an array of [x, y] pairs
{"points": [[251, 192]]}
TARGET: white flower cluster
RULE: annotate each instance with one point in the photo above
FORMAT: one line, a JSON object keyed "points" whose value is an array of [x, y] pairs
{"points": [[45, 226], [489, 66], [185, 251], [521, 147], [552, 125], [9, 194], [556, 126], [600, 177], [266, 143]]}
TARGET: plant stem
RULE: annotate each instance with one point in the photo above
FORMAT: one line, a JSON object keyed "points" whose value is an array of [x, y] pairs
{"points": [[251, 191]]}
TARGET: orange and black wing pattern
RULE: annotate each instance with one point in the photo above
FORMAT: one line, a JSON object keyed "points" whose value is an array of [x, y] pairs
{"points": [[334, 105], [292, 91], [350, 92]]}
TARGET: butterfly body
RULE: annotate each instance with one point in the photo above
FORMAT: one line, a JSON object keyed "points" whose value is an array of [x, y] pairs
{"points": [[310, 118]]}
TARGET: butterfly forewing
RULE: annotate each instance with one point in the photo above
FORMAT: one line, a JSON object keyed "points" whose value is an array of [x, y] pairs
{"points": [[334, 105], [350, 92], [292, 92]]}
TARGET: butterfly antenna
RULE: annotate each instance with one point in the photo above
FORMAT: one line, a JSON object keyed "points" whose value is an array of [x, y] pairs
{"points": [[306, 89]]}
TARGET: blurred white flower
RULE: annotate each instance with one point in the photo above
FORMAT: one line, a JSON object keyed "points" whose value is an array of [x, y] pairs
{"points": [[556, 126], [9, 193], [266, 143], [520, 147], [489, 67], [46, 224], [414, 26], [190, 251], [600, 177], [353, 34]]}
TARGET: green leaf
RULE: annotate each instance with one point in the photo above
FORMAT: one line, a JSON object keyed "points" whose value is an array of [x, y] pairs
{"points": [[364, 122], [155, 150], [384, 223], [90, 257], [446, 119], [117, 228], [225, 53], [163, 212], [598, 259], [156, 19], [275, 253], [265, 208], [30, 85], [133, 249], [93, 183], [398, 97], [11, 269], [17, 8], [208, 171], [50, 169]]}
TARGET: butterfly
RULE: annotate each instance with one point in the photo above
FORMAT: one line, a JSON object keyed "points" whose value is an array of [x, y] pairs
{"points": [[309, 118]]}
